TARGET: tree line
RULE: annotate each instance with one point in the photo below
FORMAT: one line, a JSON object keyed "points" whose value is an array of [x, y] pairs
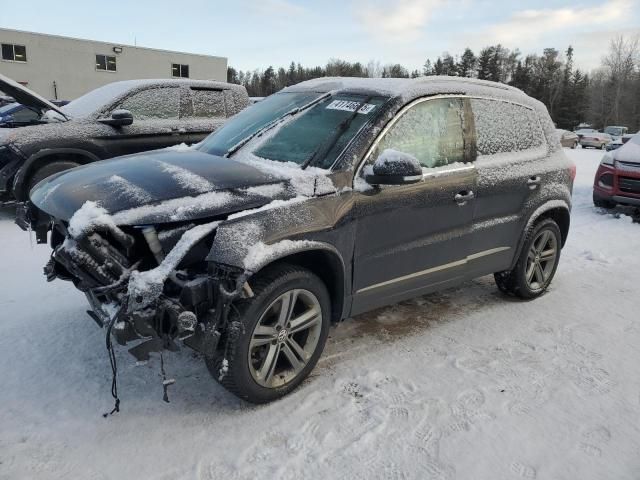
{"points": [[608, 95]]}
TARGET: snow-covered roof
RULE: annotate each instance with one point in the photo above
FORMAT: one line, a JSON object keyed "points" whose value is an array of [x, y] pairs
{"points": [[408, 88]]}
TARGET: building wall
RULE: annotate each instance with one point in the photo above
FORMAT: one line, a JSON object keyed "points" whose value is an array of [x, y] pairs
{"points": [[71, 64]]}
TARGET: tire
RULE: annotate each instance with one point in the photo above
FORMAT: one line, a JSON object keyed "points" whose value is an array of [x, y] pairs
{"points": [[48, 170], [526, 280], [248, 351], [602, 203], [603, 146], [574, 146]]}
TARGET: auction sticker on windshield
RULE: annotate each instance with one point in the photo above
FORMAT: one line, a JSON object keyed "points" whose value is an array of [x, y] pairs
{"points": [[349, 106]]}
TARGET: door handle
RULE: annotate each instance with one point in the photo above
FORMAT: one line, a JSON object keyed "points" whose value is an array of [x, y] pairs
{"points": [[463, 197], [533, 182]]}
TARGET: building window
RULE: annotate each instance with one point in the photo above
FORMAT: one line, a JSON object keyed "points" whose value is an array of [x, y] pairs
{"points": [[178, 70], [105, 63], [14, 53]]}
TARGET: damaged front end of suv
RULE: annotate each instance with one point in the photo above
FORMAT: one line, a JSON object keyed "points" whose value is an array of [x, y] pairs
{"points": [[139, 254]]}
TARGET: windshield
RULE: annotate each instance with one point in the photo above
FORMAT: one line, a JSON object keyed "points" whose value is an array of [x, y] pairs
{"points": [[614, 130], [330, 124], [252, 119], [95, 100]]}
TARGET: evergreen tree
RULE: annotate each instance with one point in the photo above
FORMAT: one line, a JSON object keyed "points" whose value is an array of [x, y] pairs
{"points": [[467, 65]]}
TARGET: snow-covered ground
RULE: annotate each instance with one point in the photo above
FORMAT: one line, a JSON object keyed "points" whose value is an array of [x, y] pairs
{"points": [[462, 384]]}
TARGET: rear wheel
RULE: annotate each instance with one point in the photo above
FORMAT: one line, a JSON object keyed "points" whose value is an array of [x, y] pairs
{"points": [[48, 170], [276, 337], [603, 146], [537, 263], [575, 145]]}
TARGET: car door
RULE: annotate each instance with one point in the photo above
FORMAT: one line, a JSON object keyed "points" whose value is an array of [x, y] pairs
{"points": [[512, 152], [411, 239], [203, 110], [156, 122]]}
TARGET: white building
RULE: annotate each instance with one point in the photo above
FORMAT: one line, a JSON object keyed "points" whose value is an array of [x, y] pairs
{"points": [[64, 68]]}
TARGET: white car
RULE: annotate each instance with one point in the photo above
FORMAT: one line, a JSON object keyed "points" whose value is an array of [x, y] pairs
{"points": [[595, 140]]}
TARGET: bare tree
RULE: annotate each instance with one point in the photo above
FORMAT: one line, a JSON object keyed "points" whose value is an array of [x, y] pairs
{"points": [[621, 65]]}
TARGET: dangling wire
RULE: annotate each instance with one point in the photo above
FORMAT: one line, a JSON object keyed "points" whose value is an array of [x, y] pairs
{"points": [[114, 366]]}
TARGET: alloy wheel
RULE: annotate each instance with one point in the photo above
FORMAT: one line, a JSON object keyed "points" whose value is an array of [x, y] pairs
{"points": [[541, 259], [285, 338]]}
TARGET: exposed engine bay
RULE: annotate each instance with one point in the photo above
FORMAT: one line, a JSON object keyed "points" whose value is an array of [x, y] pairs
{"points": [[149, 287]]}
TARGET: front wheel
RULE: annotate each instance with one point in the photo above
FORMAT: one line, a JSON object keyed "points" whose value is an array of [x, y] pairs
{"points": [[276, 337], [537, 263]]}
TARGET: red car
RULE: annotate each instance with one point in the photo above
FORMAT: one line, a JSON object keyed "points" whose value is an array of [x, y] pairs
{"points": [[617, 180]]}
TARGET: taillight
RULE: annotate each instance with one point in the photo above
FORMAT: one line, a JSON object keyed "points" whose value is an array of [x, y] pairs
{"points": [[572, 171]]}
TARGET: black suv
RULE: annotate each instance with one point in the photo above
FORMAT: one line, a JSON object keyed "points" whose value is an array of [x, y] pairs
{"points": [[116, 119], [328, 199]]}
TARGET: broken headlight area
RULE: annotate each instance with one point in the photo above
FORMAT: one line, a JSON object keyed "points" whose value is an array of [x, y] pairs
{"points": [[151, 288]]}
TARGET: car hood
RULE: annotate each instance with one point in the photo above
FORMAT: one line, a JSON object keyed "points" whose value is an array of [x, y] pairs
{"points": [[628, 152], [26, 97], [159, 187]]}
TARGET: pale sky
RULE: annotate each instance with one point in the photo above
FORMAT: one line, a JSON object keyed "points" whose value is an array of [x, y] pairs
{"points": [[257, 33]]}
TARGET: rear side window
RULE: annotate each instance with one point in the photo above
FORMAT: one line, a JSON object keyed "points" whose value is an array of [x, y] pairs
{"points": [[208, 103], [503, 127], [153, 103], [431, 131]]}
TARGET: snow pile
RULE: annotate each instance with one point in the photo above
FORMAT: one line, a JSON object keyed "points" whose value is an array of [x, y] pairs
{"points": [[145, 287], [260, 254], [177, 209], [270, 190], [181, 147], [394, 161], [186, 178], [89, 217], [125, 188]]}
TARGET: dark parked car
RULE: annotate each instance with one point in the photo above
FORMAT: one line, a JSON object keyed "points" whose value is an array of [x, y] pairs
{"points": [[116, 119], [17, 115], [617, 181], [326, 200]]}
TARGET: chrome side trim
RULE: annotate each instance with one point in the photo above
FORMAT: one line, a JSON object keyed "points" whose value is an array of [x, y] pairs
{"points": [[439, 268]]}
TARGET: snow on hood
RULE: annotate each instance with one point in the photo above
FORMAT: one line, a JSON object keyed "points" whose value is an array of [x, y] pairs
{"points": [[170, 186], [630, 151]]}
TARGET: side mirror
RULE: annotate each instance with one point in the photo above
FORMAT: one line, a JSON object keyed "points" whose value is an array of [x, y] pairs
{"points": [[394, 168], [119, 118]]}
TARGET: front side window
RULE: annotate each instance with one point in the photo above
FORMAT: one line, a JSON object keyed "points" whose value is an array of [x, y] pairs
{"points": [[208, 103], [503, 127], [430, 131], [154, 103], [106, 63], [14, 53]]}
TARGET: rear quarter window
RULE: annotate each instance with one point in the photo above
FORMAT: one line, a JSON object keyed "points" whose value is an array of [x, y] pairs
{"points": [[503, 127]]}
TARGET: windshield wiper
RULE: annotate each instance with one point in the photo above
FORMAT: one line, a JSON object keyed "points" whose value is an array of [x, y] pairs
{"points": [[273, 123], [325, 147]]}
